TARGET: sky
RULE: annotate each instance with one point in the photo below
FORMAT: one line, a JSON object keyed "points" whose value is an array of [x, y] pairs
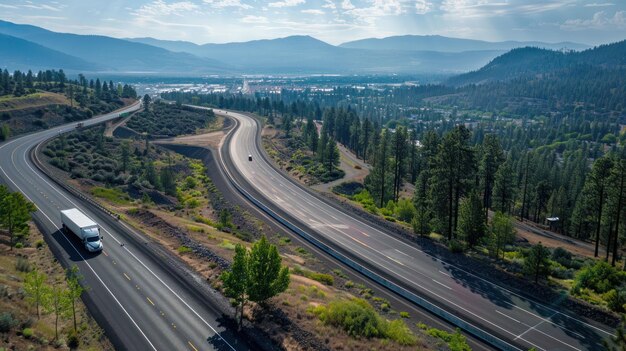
{"points": [[334, 21]]}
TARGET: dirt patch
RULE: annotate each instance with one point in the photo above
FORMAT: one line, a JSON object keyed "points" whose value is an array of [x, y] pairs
{"points": [[211, 139]]}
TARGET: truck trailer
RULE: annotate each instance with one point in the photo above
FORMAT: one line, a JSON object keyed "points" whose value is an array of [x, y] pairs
{"points": [[88, 231]]}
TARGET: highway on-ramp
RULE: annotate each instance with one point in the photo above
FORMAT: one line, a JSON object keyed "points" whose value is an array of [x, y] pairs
{"points": [[516, 321], [132, 291]]}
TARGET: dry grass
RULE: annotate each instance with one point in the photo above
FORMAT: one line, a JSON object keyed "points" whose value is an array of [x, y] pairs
{"points": [[38, 99]]}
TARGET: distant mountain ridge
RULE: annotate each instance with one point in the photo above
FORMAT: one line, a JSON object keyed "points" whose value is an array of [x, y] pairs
{"points": [[24, 55], [447, 44], [530, 61], [111, 54]]}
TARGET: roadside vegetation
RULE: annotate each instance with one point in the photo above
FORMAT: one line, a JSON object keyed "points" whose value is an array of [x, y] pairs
{"points": [[33, 101], [166, 120], [40, 305]]}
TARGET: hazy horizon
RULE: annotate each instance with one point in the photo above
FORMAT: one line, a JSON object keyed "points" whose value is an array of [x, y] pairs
{"points": [[333, 21]]}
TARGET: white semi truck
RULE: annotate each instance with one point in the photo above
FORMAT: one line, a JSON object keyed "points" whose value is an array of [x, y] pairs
{"points": [[88, 231]]}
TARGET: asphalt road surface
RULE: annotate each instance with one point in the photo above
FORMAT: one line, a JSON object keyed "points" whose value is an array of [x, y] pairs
{"points": [[133, 294], [521, 322]]}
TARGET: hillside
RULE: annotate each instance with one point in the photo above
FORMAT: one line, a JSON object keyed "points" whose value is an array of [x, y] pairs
{"points": [[446, 44], [527, 62], [20, 54], [112, 54]]}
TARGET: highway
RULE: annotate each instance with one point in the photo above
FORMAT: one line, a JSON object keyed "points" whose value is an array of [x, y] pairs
{"points": [[133, 291], [513, 319]]}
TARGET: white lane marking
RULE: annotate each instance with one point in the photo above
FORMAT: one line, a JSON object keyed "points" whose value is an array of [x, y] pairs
{"points": [[81, 256], [509, 317], [407, 255], [314, 204], [444, 273], [135, 257], [442, 284], [544, 319], [396, 261]]}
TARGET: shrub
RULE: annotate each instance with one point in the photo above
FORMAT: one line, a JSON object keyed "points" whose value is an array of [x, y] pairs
{"points": [[22, 265], [398, 331], [456, 246], [6, 322], [600, 277], [27, 333], [615, 300], [456, 341], [562, 256], [404, 314], [323, 278], [359, 319], [72, 340], [405, 210], [183, 249], [19, 245]]}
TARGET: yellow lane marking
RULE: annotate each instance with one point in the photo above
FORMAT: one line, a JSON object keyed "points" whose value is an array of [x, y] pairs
{"points": [[150, 301], [193, 347], [127, 277]]}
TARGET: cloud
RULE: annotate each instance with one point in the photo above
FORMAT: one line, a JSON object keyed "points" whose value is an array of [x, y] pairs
{"points": [[329, 5], [314, 12], [227, 3], [42, 7], [423, 7], [600, 20], [604, 4], [347, 5], [254, 19], [161, 8], [491, 8], [286, 3]]}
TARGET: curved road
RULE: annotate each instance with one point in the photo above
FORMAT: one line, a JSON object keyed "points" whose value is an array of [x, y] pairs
{"points": [[132, 293], [521, 322]]}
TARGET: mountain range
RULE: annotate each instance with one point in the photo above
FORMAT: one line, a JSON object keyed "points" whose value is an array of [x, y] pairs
{"points": [[532, 62], [40, 48]]}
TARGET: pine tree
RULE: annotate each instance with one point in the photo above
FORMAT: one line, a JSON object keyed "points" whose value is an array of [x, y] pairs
{"points": [[537, 264], [399, 153], [471, 219], [501, 233], [504, 188], [492, 158], [15, 213], [378, 181]]}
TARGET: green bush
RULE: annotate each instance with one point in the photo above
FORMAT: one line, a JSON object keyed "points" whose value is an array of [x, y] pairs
{"points": [[600, 277], [615, 300], [359, 319], [404, 314], [456, 341], [183, 249], [27, 333], [39, 244], [19, 245], [405, 210]]}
